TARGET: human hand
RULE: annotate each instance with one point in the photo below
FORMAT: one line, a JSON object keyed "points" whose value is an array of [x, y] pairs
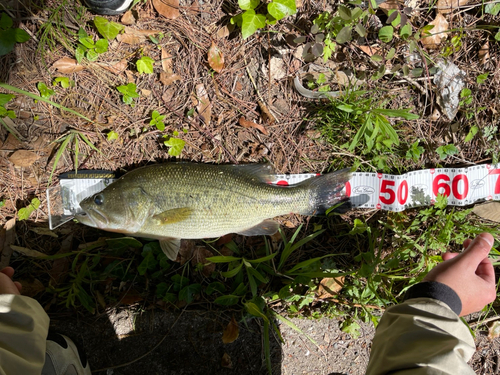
{"points": [[7, 286], [470, 274]]}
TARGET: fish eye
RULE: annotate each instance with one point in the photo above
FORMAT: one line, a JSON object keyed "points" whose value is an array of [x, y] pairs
{"points": [[99, 199]]}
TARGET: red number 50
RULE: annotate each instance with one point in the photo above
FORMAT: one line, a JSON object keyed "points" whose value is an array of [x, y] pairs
{"points": [[386, 188]]}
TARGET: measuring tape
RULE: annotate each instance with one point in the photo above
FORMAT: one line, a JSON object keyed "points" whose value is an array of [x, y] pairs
{"points": [[462, 186]]}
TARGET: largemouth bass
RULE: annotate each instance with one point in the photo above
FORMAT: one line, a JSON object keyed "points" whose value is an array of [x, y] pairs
{"points": [[182, 200]]}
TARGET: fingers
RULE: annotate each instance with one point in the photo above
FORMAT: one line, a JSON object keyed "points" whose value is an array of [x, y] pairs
{"points": [[478, 249], [486, 271], [18, 286], [9, 271], [447, 256], [467, 243]]}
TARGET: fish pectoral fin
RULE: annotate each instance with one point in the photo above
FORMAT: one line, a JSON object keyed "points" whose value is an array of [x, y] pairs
{"points": [[174, 215], [267, 227], [170, 246]]}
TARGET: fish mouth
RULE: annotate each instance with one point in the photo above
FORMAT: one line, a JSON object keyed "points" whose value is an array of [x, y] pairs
{"points": [[93, 218]]}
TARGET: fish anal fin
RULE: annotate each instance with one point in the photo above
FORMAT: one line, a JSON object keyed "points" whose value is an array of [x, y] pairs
{"points": [[170, 247], [267, 227], [174, 215]]}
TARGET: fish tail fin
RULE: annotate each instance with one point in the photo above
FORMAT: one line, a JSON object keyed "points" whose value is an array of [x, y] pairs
{"points": [[327, 191]]}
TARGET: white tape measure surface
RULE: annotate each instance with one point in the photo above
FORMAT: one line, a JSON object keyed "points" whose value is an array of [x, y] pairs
{"points": [[462, 186]]}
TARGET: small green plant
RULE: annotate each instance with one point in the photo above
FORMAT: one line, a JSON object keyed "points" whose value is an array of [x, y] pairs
{"points": [[107, 29], [176, 145], [88, 48], [474, 129], [112, 136], [415, 151], [446, 150], [250, 21], [74, 137], [4, 112], [145, 65], [25, 212], [129, 92], [64, 81], [45, 92], [9, 35], [157, 120], [362, 122]]}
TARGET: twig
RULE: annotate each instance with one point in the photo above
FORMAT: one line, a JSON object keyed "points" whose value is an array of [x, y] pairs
{"points": [[481, 322]]}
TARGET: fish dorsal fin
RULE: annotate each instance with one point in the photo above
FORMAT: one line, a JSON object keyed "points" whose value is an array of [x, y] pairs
{"points": [[174, 215], [170, 247], [267, 227], [262, 171]]}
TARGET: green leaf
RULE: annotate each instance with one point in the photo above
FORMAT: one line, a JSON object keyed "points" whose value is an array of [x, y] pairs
{"points": [[344, 35], [64, 81], [251, 22], [391, 53], [45, 92], [472, 132], [123, 243], [396, 21], [176, 146], [7, 41], [215, 286], [360, 29], [397, 113], [280, 9], [248, 4], [386, 33], [128, 91], [5, 21], [344, 13], [227, 300], [148, 263], [87, 42], [232, 272], [254, 310], [21, 36], [263, 259], [189, 292], [145, 65], [5, 98], [101, 45], [482, 78], [222, 259], [351, 327], [92, 55], [445, 151], [405, 31], [107, 29], [497, 37], [492, 8], [112, 135], [80, 52]]}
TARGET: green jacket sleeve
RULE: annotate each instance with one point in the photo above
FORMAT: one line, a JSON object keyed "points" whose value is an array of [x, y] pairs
{"points": [[23, 333], [421, 336]]}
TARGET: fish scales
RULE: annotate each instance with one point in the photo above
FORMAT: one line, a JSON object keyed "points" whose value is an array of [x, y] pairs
{"points": [[189, 200]]}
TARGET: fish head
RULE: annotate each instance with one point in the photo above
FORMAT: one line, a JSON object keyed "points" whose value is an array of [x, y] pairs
{"points": [[115, 209]]}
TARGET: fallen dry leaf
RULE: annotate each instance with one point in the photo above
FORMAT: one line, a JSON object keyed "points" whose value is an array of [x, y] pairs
{"points": [[11, 143], [231, 332], [145, 92], [226, 361], [330, 287], [169, 78], [28, 252], [115, 67], [250, 124], [67, 65], [194, 7], [489, 211], [130, 76], [130, 38], [484, 53], [130, 297], [386, 6], [446, 6], [370, 50], [223, 32], [23, 158], [167, 8], [128, 18], [204, 107], [437, 33], [185, 252], [215, 58], [200, 255], [494, 330]]}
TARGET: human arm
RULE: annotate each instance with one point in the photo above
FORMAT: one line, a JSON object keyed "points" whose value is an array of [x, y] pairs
{"points": [[23, 329], [424, 334]]}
